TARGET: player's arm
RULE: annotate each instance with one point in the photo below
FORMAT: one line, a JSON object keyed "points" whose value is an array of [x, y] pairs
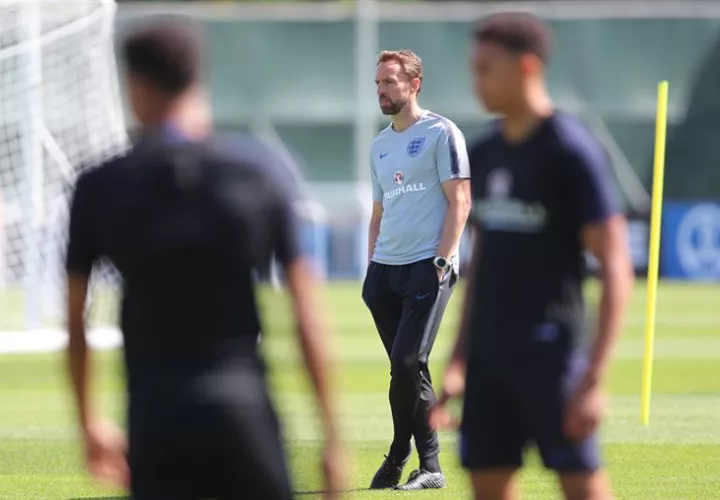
{"points": [[105, 444], [80, 257], [374, 228], [312, 331], [608, 242], [604, 233], [455, 371], [77, 350], [314, 339], [313, 336], [454, 173], [454, 378], [377, 212]]}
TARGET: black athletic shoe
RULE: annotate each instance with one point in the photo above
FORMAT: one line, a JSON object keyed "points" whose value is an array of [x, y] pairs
{"points": [[422, 480], [389, 474]]}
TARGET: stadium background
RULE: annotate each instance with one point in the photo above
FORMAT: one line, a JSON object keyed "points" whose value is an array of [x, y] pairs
{"points": [[296, 70], [301, 74]]}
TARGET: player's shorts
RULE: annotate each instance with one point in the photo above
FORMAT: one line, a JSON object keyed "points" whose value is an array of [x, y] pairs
{"points": [[504, 411], [218, 439]]}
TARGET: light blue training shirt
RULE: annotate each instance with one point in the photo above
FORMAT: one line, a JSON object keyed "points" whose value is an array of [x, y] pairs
{"points": [[408, 169]]}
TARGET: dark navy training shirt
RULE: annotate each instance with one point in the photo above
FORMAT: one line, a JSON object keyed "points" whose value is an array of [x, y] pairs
{"points": [[530, 201], [185, 224]]}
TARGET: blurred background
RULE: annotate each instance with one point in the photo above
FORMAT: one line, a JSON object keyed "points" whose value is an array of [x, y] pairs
{"points": [[301, 75]]}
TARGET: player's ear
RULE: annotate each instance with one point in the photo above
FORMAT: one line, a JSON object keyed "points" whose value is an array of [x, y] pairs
{"points": [[530, 64], [415, 82]]}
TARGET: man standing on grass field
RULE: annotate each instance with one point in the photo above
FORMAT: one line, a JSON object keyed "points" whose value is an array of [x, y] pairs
{"points": [[542, 189], [421, 201], [185, 217]]}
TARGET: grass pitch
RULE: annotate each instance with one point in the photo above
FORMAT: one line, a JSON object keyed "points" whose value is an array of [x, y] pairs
{"points": [[676, 458]]}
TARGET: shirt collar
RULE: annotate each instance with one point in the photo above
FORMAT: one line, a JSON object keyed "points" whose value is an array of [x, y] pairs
{"points": [[172, 134]]}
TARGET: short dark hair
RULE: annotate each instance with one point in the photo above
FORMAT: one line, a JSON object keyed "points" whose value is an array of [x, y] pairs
{"points": [[408, 60], [165, 52], [518, 32]]}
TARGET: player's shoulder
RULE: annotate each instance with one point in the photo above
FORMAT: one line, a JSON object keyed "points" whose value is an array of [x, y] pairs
{"points": [[488, 138], [442, 124], [245, 155], [383, 135], [575, 138], [240, 150], [249, 159], [98, 171]]}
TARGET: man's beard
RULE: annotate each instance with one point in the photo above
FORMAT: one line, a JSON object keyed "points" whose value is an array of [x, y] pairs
{"points": [[391, 107]]}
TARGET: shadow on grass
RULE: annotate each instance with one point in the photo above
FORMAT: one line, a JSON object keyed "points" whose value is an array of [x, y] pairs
{"points": [[101, 498], [320, 492], [297, 493]]}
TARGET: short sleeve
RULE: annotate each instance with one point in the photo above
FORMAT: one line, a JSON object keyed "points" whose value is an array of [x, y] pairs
{"points": [[82, 250], [593, 191], [287, 228], [476, 187], [289, 206], [452, 157], [280, 190]]}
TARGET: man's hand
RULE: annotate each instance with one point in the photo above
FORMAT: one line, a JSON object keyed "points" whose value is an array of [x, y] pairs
{"points": [[457, 192], [106, 453], [440, 417], [440, 274], [334, 467], [454, 380], [584, 412]]}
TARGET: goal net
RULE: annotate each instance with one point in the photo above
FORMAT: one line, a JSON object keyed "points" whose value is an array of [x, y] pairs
{"points": [[60, 111]]}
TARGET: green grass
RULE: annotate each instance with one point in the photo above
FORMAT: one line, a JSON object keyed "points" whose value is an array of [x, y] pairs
{"points": [[676, 457]]}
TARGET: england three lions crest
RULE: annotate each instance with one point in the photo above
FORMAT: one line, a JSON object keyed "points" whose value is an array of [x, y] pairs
{"points": [[415, 146]]}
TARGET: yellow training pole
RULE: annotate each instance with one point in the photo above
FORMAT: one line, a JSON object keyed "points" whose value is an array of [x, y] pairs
{"points": [[654, 252]]}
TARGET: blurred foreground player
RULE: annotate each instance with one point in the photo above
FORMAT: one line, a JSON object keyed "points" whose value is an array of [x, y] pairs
{"points": [[421, 202], [542, 197], [185, 218]]}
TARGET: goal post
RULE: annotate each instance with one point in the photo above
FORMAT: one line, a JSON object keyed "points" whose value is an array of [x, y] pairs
{"points": [[60, 110]]}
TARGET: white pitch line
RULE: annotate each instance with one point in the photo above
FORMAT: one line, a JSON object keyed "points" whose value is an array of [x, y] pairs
{"points": [[355, 348], [52, 340]]}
